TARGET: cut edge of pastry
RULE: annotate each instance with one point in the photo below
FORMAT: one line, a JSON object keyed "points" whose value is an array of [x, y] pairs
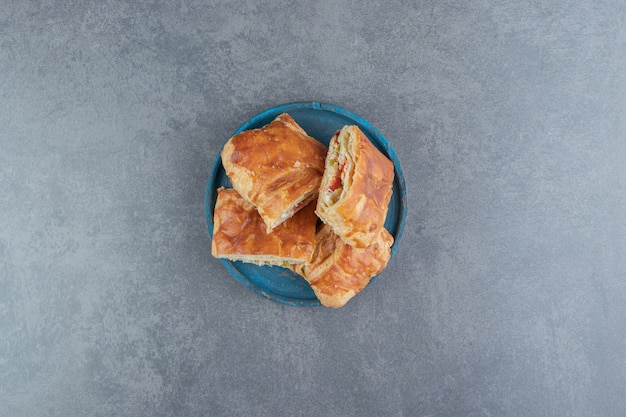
{"points": [[338, 172], [295, 207], [263, 260]]}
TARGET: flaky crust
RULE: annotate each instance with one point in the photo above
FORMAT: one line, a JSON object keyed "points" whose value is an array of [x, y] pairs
{"points": [[239, 233], [339, 271], [278, 168], [359, 214]]}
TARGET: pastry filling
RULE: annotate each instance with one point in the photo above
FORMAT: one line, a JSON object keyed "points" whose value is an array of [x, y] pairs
{"points": [[339, 169], [287, 214], [264, 260]]}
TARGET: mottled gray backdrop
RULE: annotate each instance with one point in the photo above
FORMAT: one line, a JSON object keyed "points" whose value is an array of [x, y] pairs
{"points": [[507, 296]]}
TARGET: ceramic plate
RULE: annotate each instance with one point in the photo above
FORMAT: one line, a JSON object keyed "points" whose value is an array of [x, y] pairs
{"points": [[319, 120]]}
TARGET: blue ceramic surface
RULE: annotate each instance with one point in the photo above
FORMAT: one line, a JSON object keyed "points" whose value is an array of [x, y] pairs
{"points": [[319, 120]]}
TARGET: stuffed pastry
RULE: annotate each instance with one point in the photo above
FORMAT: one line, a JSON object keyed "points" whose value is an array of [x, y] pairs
{"points": [[339, 271], [239, 233], [278, 168], [356, 187]]}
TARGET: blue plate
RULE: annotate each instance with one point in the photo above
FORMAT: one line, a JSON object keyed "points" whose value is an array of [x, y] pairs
{"points": [[319, 120]]}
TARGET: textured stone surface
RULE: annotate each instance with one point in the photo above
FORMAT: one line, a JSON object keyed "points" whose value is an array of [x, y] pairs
{"points": [[507, 296]]}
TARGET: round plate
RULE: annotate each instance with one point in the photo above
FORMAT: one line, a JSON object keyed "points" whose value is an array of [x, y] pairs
{"points": [[319, 120]]}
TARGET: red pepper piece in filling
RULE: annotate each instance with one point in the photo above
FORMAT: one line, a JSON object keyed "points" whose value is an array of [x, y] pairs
{"points": [[337, 182], [334, 183]]}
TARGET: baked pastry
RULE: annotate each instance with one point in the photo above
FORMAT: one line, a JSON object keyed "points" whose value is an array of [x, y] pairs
{"points": [[356, 187], [339, 271], [278, 168], [239, 233]]}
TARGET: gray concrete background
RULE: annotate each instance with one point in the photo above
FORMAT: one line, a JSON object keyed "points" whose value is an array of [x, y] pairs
{"points": [[507, 296]]}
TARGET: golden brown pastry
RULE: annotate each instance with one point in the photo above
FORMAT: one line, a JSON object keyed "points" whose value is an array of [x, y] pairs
{"points": [[356, 187], [239, 233], [278, 168], [339, 271]]}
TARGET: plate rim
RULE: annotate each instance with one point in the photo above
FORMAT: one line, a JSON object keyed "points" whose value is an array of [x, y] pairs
{"points": [[285, 108]]}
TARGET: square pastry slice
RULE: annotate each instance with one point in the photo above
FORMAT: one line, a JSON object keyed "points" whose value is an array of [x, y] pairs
{"points": [[339, 271], [278, 168], [356, 187], [239, 233]]}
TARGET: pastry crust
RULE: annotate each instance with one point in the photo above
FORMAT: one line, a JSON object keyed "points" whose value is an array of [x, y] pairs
{"points": [[356, 187], [239, 233], [278, 168], [339, 271]]}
